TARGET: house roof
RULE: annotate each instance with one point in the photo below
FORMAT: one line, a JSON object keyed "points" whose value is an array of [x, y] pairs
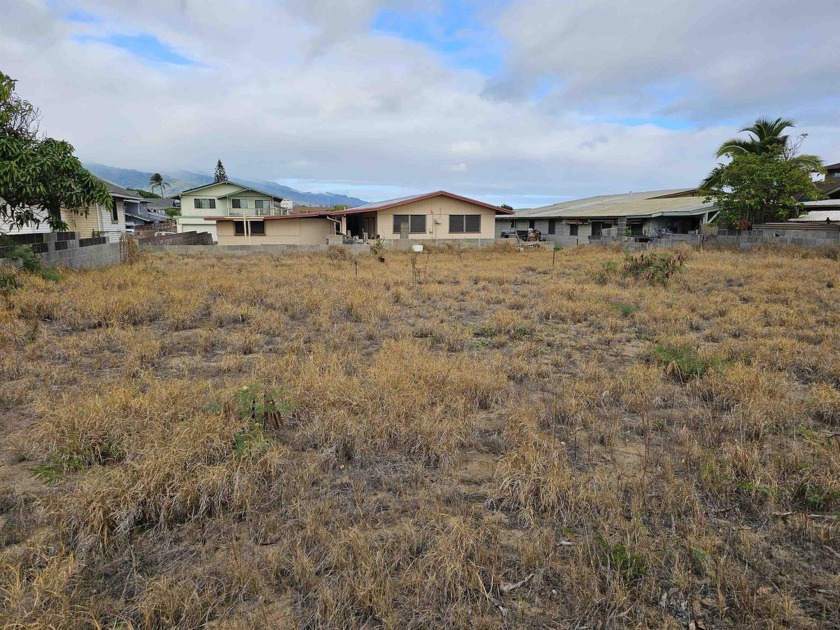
{"points": [[119, 191], [832, 167], [242, 186], [160, 204], [674, 202], [819, 216], [394, 203]]}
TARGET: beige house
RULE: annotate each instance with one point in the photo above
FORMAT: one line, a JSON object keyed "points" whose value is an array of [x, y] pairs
{"points": [[439, 215], [225, 199], [289, 229]]}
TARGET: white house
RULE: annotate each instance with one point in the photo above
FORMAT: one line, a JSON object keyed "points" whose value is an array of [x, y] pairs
{"points": [[224, 199]]}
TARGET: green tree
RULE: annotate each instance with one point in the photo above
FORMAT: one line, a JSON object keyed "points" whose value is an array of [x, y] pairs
{"points": [[757, 187], [39, 175], [156, 181], [220, 176], [765, 137], [506, 206]]}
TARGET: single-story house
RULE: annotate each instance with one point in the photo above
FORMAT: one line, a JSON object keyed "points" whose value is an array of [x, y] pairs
{"points": [[438, 215], [224, 199], [306, 228], [644, 214], [99, 220], [823, 211]]}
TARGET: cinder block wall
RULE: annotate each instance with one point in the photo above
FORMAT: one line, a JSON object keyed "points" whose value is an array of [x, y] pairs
{"points": [[65, 249]]}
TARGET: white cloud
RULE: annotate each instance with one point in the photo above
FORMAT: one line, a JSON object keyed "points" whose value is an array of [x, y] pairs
{"points": [[305, 91]]}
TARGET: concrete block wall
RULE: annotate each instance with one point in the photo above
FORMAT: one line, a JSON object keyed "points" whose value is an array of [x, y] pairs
{"points": [[65, 249]]}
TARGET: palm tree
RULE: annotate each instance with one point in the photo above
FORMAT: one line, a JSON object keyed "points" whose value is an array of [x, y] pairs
{"points": [[766, 136], [157, 181]]}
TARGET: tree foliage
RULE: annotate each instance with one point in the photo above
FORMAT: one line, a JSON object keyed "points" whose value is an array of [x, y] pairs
{"points": [[220, 176], [39, 174], [156, 181], [757, 187], [765, 137]]}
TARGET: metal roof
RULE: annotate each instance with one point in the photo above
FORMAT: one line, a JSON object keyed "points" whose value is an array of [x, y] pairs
{"points": [[819, 216], [392, 203], [674, 202], [822, 203]]}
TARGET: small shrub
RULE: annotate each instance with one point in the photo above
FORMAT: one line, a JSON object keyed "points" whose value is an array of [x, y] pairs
{"points": [[654, 267], [376, 247], [683, 362]]}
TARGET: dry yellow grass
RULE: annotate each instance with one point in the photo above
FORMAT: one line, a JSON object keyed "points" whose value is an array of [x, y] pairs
{"points": [[478, 439]]}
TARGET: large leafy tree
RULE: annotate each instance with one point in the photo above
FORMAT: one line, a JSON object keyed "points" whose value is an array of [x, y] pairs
{"points": [[765, 137], [220, 175], [157, 181], [39, 177], [757, 187]]}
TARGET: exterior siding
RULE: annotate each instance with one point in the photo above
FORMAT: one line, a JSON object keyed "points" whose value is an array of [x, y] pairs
{"points": [[438, 210], [312, 231]]}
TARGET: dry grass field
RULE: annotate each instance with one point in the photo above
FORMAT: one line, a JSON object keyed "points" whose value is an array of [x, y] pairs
{"points": [[465, 439]]}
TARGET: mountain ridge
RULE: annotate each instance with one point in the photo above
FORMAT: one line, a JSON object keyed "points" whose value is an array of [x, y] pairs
{"points": [[180, 180]]}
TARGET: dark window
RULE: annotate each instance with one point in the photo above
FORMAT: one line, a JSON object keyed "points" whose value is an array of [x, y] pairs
{"points": [[204, 204], [239, 228], [237, 204], [416, 223], [115, 212], [573, 228], [596, 229], [552, 227], [261, 204], [257, 227], [464, 223], [532, 224]]}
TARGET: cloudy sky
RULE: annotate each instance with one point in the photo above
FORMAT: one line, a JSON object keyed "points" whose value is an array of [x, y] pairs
{"points": [[525, 102]]}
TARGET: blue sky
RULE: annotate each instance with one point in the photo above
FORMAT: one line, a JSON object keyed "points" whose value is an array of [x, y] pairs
{"points": [[510, 101]]}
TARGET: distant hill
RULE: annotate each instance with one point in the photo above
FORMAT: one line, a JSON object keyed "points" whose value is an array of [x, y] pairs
{"points": [[180, 180]]}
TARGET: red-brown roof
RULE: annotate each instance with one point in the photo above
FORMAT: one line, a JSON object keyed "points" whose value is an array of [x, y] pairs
{"points": [[394, 203]]}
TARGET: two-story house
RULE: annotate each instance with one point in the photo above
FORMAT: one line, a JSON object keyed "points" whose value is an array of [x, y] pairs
{"points": [[224, 199]]}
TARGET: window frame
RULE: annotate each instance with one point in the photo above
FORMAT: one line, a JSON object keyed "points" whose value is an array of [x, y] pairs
{"points": [[409, 218], [115, 212], [552, 226], [198, 203], [462, 218], [573, 229]]}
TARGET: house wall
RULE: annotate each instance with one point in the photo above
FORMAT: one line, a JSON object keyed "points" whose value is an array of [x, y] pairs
{"points": [[562, 229], [437, 209], [312, 231], [196, 224]]}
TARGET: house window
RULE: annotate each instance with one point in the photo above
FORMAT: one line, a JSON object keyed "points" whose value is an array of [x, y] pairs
{"points": [[532, 224], [115, 212], [261, 204], [596, 228], [239, 204], [204, 204], [464, 223], [573, 229], [552, 226], [255, 228], [416, 223]]}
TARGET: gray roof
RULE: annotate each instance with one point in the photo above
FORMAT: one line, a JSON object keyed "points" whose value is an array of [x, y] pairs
{"points": [[160, 204], [674, 202], [119, 191], [819, 216]]}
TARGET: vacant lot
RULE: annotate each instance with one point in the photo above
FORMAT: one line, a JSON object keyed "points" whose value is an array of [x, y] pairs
{"points": [[473, 439]]}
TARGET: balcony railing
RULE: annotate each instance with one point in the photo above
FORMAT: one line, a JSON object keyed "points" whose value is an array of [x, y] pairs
{"points": [[256, 212]]}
